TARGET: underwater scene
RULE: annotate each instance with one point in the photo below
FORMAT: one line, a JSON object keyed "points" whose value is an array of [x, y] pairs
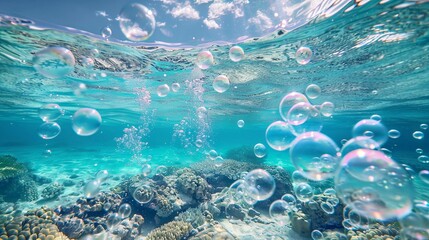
{"points": [[214, 119]]}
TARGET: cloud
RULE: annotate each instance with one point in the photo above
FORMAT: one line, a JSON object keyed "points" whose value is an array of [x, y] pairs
{"points": [[185, 11], [202, 1], [210, 23], [161, 24], [218, 9], [261, 21], [169, 2]]}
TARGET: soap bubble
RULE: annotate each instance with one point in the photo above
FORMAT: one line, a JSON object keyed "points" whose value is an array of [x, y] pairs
{"points": [[137, 22], [376, 117], [260, 150], [289, 199], [327, 208], [240, 123], [423, 159], [418, 135], [86, 121], [143, 194], [358, 143], [49, 130], [312, 91], [317, 235], [263, 182], [419, 150], [146, 169], [315, 155], [175, 87], [124, 210], [423, 126], [202, 112], [393, 133], [424, 176], [327, 109], [204, 60], [50, 112], [199, 143], [91, 188], [303, 55], [377, 128], [106, 32], [221, 83], [374, 185], [236, 53], [161, 170], [304, 192], [112, 220], [299, 113], [54, 62], [163, 90], [312, 124], [101, 175], [213, 154], [289, 101], [278, 136], [279, 212]]}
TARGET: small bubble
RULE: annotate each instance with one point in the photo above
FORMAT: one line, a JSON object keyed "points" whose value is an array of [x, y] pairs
{"points": [[175, 87], [213, 154], [106, 32], [376, 117], [423, 159], [419, 150], [260, 150], [86, 121], [312, 91], [236, 53], [240, 123], [393, 133], [423, 126], [163, 90], [137, 22], [54, 62], [49, 130], [303, 55], [418, 135], [304, 192], [204, 60], [221, 83]]}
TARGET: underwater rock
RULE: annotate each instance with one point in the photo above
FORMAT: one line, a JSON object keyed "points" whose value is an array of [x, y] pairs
{"points": [[52, 191], [193, 185], [216, 231], [41, 179], [72, 227], [301, 224], [244, 154], [174, 230]]}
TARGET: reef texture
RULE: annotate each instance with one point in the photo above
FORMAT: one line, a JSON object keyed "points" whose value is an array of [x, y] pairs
{"points": [[244, 154], [174, 230], [52, 191], [10, 167]]}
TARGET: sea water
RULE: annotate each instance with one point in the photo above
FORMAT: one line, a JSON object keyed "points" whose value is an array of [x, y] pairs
{"points": [[353, 70]]}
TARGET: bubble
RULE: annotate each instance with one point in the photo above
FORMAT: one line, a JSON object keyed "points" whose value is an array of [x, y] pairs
{"points": [[298, 177], [312, 124], [218, 161], [278, 136], [327, 208], [423, 159], [358, 143], [143, 194], [204, 60], [315, 155], [368, 134], [421, 206], [424, 176], [106, 32], [423, 126], [377, 128], [312, 91], [236, 53], [330, 192], [101, 175], [418, 135], [50, 112], [304, 192], [354, 218], [327, 109], [279, 212], [289, 199], [87, 62], [163, 90], [393, 133], [240, 123], [260, 150], [124, 210], [162, 170], [419, 150], [317, 235], [175, 87], [137, 22], [221, 83], [112, 220], [212, 154], [299, 113], [49, 130], [289, 101], [198, 143], [374, 185], [347, 224], [54, 62], [146, 169], [91, 189], [263, 182], [333, 201], [376, 117], [202, 112], [374, 92], [303, 55], [86, 121]]}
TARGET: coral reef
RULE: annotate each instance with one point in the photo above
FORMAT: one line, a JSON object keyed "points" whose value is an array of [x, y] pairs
{"points": [[52, 191], [215, 231], [10, 167], [174, 230], [19, 188], [192, 185], [376, 231], [244, 154]]}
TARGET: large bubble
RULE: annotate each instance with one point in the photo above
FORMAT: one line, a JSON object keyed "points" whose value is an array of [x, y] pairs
{"points": [[368, 127], [299, 113], [289, 101], [50, 112], [374, 185], [315, 155], [236, 53], [279, 212], [263, 182], [86, 121], [91, 189], [313, 122], [49, 130], [54, 62], [221, 83], [204, 60], [304, 192], [279, 136], [358, 143], [137, 22]]}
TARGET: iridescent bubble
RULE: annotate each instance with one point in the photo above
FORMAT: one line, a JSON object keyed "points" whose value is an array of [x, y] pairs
{"points": [[303, 55], [424, 176], [358, 143], [204, 60], [240, 123], [199, 143], [418, 135], [374, 185], [137, 22], [376, 117], [260, 150], [315, 155], [423, 159], [91, 189], [49, 130], [289, 101], [175, 87], [423, 126], [312, 124], [279, 212], [263, 182], [86, 121], [327, 109], [146, 169], [278, 136], [162, 170], [112, 220], [317, 235], [312, 91], [299, 113], [377, 128], [393, 133], [124, 210], [106, 32], [202, 112], [221, 83], [304, 192], [213, 154], [289, 199], [50, 112], [102, 175], [327, 208], [419, 150], [54, 62], [236, 53], [163, 90], [143, 194]]}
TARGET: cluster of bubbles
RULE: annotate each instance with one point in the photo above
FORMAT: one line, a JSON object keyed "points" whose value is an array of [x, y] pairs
{"points": [[92, 188], [54, 62]]}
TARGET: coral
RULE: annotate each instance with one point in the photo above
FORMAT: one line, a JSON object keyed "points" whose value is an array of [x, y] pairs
{"points": [[129, 228], [192, 185], [10, 167], [73, 227], [376, 231], [22, 187], [244, 154], [174, 230], [215, 231], [52, 191], [194, 216], [163, 206]]}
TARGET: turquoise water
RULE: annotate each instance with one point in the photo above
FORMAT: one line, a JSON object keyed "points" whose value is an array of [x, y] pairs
{"points": [[373, 59]]}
